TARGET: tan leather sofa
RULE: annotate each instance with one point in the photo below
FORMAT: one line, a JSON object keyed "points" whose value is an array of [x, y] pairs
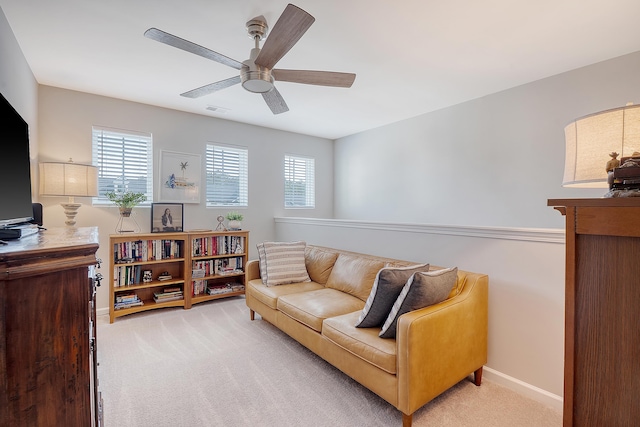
{"points": [[435, 347]]}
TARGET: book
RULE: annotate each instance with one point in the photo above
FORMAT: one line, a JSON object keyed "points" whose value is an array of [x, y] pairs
{"points": [[126, 301]]}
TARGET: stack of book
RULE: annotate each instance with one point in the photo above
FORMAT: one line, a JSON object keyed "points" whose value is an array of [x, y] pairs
{"points": [[224, 288], [127, 300], [236, 287], [218, 288], [168, 294]]}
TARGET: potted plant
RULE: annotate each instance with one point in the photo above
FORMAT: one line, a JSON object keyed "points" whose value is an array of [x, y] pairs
{"points": [[234, 219], [126, 200]]}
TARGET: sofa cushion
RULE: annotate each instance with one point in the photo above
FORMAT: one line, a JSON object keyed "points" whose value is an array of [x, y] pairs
{"points": [[268, 295], [386, 287], [354, 274], [319, 262], [282, 263], [313, 307], [363, 343], [421, 290]]}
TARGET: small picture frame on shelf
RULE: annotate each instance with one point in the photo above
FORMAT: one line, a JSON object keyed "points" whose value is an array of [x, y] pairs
{"points": [[166, 217]]}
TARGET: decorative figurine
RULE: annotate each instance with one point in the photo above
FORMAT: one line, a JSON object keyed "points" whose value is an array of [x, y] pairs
{"points": [[221, 226], [613, 163], [147, 276]]}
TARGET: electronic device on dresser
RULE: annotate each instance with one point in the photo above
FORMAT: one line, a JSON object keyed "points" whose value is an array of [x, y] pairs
{"points": [[16, 209]]}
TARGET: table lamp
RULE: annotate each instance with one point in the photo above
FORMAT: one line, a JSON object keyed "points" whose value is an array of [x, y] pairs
{"points": [[593, 140], [68, 179]]}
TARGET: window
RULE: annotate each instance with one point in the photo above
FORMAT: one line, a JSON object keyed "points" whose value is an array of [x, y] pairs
{"points": [[125, 162], [299, 182], [227, 176]]}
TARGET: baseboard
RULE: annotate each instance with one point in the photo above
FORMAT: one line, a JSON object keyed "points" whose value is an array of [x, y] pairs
{"points": [[525, 389], [102, 311]]}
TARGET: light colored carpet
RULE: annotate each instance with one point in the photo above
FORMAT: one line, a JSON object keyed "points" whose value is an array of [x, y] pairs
{"points": [[212, 366]]}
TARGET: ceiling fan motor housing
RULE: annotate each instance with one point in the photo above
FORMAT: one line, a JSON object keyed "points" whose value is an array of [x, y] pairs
{"points": [[255, 78], [257, 27]]}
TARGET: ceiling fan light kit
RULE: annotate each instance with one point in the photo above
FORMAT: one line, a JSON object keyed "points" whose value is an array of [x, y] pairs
{"points": [[257, 74], [255, 78]]}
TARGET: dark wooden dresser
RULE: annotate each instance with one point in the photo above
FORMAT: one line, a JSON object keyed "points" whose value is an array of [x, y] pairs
{"points": [[48, 367], [602, 311]]}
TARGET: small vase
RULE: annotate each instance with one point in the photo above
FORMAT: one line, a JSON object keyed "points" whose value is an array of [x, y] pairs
{"points": [[127, 222], [234, 224]]}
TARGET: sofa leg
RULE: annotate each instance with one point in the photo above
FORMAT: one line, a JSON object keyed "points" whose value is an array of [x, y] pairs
{"points": [[477, 376], [252, 314], [407, 420]]}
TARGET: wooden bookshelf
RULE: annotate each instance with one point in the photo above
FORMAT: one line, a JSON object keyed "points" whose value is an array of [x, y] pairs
{"points": [[131, 255], [223, 252], [228, 251]]}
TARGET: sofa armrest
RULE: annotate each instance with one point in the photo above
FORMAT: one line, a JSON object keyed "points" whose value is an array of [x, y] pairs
{"points": [[252, 269], [442, 344]]}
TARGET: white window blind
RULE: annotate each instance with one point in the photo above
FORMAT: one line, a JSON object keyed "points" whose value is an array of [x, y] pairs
{"points": [[299, 182], [125, 162], [227, 176]]}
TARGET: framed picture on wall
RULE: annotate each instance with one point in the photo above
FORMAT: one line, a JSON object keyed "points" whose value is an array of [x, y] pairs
{"points": [[179, 177], [167, 217]]}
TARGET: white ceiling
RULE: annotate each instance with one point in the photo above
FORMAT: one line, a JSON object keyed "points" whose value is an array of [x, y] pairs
{"points": [[410, 56]]}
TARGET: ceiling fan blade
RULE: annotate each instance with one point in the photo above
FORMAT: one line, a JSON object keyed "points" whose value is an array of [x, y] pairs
{"points": [[171, 40], [291, 25], [210, 88], [275, 101], [321, 78]]}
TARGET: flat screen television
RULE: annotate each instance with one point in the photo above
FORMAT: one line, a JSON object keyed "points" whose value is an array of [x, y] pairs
{"points": [[15, 168]]}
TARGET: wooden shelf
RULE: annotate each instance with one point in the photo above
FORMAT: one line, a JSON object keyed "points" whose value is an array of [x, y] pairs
{"points": [[202, 298], [155, 261], [154, 284], [148, 305], [180, 267], [230, 241]]}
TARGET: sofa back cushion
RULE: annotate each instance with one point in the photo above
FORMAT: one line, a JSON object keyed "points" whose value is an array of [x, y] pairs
{"points": [[354, 274], [319, 262]]}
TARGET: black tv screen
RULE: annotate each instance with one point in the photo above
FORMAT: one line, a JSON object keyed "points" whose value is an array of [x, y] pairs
{"points": [[15, 167]]}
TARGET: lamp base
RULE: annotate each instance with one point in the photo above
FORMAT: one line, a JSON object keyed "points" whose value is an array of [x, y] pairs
{"points": [[71, 210]]}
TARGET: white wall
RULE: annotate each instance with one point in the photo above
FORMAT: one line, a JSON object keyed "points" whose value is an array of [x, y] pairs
{"points": [[19, 87], [491, 161], [65, 121]]}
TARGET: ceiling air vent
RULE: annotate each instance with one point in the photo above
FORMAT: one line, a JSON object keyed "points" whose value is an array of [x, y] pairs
{"points": [[219, 110]]}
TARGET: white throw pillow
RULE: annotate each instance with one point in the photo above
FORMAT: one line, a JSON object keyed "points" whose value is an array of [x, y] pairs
{"points": [[282, 263]]}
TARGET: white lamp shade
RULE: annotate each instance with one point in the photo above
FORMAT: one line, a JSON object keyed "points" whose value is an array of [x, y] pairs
{"points": [[590, 139], [68, 179]]}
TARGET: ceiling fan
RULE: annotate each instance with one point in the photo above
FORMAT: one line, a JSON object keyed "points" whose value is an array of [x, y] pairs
{"points": [[257, 73]]}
